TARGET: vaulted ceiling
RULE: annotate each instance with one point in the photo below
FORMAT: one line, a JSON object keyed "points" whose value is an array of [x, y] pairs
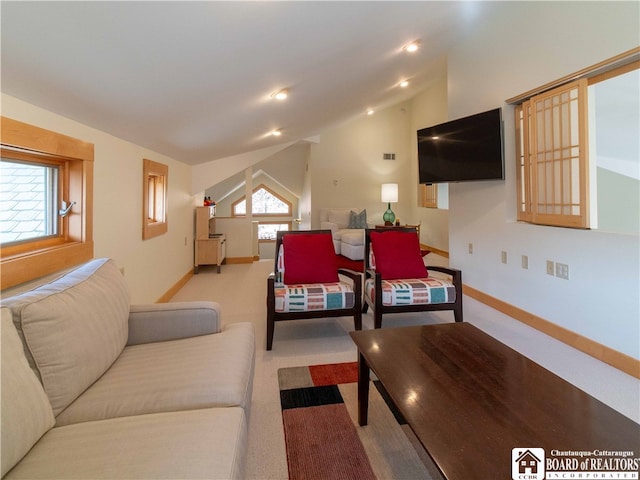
{"points": [[194, 80]]}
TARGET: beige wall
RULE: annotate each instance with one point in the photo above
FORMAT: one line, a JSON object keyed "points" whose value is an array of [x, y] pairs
{"points": [[152, 266], [346, 168]]}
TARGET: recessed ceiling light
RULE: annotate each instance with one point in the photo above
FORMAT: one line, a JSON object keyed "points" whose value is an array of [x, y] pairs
{"points": [[280, 94], [404, 84], [276, 133], [412, 47], [371, 111]]}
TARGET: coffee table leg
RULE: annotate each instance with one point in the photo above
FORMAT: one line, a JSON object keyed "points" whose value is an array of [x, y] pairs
{"points": [[363, 390]]}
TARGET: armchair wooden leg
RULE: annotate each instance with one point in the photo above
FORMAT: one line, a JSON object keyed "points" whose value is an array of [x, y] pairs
{"points": [[457, 313], [357, 320], [270, 329], [377, 318]]}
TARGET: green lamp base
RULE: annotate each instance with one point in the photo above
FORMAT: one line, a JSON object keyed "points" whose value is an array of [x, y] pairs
{"points": [[389, 217]]}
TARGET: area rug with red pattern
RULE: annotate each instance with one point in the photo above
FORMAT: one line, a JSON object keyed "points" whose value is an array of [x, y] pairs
{"points": [[323, 439]]}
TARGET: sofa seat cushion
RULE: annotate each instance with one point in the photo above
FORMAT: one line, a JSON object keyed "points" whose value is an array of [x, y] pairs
{"points": [[191, 373], [26, 412], [313, 296], [413, 291], [74, 328], [353, 237], [205, 443]]}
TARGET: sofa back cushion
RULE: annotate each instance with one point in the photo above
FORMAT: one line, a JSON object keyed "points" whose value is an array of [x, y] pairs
{"points": [[26, 414], [74, 328]]}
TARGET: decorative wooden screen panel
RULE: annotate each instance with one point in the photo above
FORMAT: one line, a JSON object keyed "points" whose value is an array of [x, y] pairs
{"points": [[428, 196], [558, 143]]}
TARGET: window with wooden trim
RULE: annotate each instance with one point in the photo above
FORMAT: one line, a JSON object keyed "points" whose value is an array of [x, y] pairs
{"points": [[154, 198], [557, 182], [267, 231], [428, 195], [47, 184], [264, 202], [552, 152]]}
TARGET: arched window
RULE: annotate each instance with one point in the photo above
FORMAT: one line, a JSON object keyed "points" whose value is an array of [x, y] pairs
{"points": [[264, 202]]}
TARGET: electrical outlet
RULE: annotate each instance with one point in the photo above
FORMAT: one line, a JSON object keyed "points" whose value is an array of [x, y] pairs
{"points": [[471, 248], [551, 267], [525, 262], [185, 241], [562, 271], [503, 256]]}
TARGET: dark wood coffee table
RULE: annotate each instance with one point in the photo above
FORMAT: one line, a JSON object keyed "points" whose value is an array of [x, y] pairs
{"points": [[470, 400]]}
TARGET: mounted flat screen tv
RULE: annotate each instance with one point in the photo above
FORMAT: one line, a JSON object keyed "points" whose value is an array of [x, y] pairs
{"points": [[462, 150]]}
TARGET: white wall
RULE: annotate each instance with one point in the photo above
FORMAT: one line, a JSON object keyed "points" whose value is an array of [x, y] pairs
{"points": [[152, 266], [429, 108], [347, 170], [304, 205], [528, 45]]}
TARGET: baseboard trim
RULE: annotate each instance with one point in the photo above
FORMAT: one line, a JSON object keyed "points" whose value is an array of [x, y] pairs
{"points": [[435, 250], [235, 260], [601, 352], [176, 287]]}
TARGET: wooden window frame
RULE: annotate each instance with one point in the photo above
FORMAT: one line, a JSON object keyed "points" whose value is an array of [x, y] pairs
{"points": [[527, 172], [280, 197], [62, 228], [274, 222], [155, 189], [551, 177], [428, 195], [73, 245]]}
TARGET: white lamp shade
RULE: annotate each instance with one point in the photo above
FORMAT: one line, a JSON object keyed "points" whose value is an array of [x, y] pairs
{"points": [[389, 192]]}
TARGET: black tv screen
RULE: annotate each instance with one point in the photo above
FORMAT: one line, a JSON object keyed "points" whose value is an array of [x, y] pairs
{"points": [[462, 150]]}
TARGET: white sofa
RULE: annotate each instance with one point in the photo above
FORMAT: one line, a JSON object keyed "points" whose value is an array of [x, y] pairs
{"points": [[93, 387], [347, 241]]}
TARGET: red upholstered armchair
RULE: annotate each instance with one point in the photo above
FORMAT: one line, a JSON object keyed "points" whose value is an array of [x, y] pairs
{"points": [[305, 282], [396, 279]]}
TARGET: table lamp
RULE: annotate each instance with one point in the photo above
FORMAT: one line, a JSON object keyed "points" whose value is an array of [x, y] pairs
{"points": [[388, 194]]}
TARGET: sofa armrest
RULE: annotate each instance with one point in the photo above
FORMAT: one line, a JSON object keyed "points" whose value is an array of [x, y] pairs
{"points": [[171, 321]]}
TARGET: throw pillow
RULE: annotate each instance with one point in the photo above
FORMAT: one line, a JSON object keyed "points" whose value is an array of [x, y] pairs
{"points": [[397, 255], [309, 258], [358, 220]]}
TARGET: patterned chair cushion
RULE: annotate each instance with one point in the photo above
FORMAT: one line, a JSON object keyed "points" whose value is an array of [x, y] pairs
{"points": [[413, 291], [313, 296]]}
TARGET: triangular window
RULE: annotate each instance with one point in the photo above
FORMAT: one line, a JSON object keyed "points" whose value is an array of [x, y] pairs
{"points": [[264, 202]]}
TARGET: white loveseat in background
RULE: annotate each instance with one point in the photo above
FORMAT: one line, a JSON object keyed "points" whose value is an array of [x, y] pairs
{"points": [[347, 241], [93, 387]]}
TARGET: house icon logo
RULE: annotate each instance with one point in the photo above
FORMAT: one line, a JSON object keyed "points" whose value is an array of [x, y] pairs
{"points": [[527, 463]]}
